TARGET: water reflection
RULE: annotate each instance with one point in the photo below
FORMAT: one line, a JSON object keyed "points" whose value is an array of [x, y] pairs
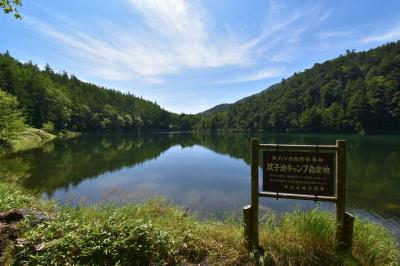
{"points": [[208, 173]]}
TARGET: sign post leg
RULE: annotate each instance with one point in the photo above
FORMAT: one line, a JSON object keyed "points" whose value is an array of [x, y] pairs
{"points": [[348, 231], [247, 226], [344, 221], [254, 192]]}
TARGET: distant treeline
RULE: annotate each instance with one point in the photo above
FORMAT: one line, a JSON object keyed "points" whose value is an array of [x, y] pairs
{"points": [[59, 101], [358, 92]]}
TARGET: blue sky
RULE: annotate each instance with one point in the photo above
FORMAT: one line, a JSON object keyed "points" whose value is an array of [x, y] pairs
{"points": [[191, 55]]}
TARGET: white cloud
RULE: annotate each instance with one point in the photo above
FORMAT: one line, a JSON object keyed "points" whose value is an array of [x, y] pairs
{"points": [[258, 75], [387, 36], [174, 35]]}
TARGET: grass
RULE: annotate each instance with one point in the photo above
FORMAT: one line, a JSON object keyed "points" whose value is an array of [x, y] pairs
{"points": [[31, 138], [13, 197], [158, 233]]}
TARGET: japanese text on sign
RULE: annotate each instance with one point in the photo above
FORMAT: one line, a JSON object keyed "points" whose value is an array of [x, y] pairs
{"points": [[308, 173]]}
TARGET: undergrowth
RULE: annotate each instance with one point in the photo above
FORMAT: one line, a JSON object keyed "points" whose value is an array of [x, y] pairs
{"points": [[158, 233]]}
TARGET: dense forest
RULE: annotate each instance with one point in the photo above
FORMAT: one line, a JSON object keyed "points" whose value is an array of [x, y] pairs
{"points": [[358, 92], [59, 101]]}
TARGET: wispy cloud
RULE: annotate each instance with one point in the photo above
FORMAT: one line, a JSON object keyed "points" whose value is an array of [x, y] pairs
{"points": [[258, 75], [333, 34], [176, 35], [392, 34]]}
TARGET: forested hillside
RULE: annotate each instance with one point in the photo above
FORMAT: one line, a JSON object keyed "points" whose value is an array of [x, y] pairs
{"points": [[356, 92], [216, 109], [59, 101]]}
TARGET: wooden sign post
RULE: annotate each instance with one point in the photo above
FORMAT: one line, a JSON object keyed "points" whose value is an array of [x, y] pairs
{"points": [[305, 172]]}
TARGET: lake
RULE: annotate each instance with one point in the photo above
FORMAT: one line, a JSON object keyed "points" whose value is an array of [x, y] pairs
{"points": [[208, 174]]}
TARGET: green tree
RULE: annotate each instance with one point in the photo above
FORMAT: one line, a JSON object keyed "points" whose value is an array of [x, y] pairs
{"points": [[138, 122], [128, 121], [11, 119], [310, 120]]}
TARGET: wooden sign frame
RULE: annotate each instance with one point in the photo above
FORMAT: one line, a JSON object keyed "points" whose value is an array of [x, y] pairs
{"points": [[344, 220]]}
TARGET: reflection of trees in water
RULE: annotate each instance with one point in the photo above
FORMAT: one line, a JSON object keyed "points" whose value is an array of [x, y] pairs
{"points": [[373, 162], [374, 174], [63, 163], [13, 170]]}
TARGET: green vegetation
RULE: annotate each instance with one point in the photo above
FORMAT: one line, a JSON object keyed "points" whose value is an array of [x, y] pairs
{"points": [[354, 93], [14, 133], [11, 7], [31, 138], [58, 101], [11, 119], [216, 109], [157, 233]]}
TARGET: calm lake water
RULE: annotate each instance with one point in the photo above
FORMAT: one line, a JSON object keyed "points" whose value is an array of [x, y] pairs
{"points": [[209, 174]]}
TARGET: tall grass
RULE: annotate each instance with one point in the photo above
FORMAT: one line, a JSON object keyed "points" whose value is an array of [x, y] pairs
{"points": [[158, 233]]}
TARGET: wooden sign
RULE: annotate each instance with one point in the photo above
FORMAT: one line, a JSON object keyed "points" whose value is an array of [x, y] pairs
{"points": [[306, 173], [303, 172]]}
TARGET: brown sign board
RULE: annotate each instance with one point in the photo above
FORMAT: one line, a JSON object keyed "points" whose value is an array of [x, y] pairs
{"points": [[307, 173]]}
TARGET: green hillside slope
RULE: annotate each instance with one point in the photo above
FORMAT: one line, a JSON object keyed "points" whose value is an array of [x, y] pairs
{"points": [[216, 109], [63, 102], [356, 92]]}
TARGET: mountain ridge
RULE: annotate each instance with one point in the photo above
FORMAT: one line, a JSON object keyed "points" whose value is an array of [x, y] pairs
{"points": [[219, 108], [358, 92]]}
